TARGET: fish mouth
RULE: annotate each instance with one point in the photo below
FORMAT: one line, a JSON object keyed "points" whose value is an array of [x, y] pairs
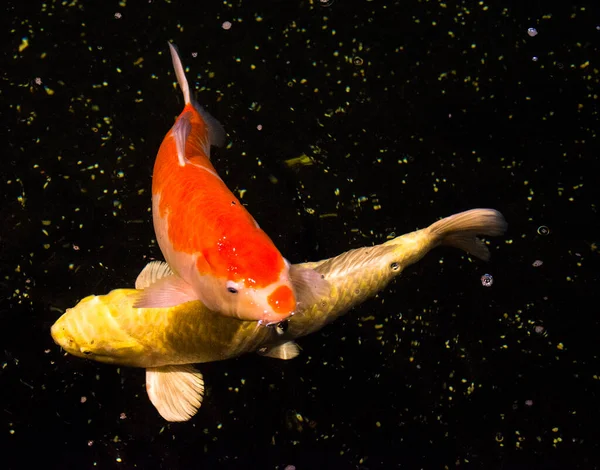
{"points": [[274, 323], [62, 338], [280, 327], [58, 335]]}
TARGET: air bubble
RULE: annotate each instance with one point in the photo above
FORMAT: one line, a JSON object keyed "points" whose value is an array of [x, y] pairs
{"points": [[543, 230], [487, 280]]}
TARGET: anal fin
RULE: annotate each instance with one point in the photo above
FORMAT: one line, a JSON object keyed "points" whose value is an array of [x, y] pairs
{"points": [[175, 391]]}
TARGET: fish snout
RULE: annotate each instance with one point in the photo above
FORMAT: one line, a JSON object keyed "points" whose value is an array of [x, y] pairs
{"points": [[61, 336]]}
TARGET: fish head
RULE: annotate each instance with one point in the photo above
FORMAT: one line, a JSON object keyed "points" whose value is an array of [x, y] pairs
{"points": [[242, 298], [254, 284], [269, 304], [89, 331]]}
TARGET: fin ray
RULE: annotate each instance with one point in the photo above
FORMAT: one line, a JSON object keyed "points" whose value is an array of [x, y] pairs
{"points": [[216, 131], [175, 391], [152, 272], [284, 351], [460, 230], [166, 292], [181, 131], [180, 74], [309, 285]]}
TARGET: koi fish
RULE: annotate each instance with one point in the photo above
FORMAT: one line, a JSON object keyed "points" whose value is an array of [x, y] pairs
{"points": [[218, 253], [167, 341]]}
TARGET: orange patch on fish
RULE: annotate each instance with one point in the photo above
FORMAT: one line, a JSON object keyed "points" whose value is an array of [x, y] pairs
{"points": [[282, 300]]}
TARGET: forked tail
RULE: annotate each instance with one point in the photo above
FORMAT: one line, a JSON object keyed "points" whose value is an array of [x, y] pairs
{"points": [[461, 230]]}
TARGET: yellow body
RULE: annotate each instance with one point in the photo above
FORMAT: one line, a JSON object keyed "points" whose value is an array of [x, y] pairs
{"points": [[108, 329]]}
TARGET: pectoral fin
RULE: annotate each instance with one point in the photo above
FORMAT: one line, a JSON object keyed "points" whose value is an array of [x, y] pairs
{"points": [[309, 285], [151, 273], [284, 351], [166, 292], [175, 391]]}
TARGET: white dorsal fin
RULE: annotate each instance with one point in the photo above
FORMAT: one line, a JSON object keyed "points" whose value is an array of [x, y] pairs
{"points": [[180, 73], [181, 131], [175, 391], [151, 273]]}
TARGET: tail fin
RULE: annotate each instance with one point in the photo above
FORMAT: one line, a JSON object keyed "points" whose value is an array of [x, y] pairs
{"points": [[460, 230], [216, 133], [180, 73]]}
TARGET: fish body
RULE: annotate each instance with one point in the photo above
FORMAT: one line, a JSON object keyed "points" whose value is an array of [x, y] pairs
{"points": [[218, 253], [166, 341]]}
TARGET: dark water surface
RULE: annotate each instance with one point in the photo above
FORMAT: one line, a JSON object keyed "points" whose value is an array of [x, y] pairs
{"points": [[409, 111]]}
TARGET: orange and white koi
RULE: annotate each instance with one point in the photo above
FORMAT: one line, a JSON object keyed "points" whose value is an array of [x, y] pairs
{"points": [[218, 253]]}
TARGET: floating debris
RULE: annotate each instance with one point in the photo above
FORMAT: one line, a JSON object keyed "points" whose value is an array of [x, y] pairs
{"points": [[302, 160]]}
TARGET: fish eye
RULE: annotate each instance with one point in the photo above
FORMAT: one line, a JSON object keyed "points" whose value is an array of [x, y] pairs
{"points": [[232, 287], [87, 352]]}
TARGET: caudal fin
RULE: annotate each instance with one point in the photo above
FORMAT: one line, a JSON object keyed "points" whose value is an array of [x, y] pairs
{"points": [[461, 230], [216, 133], [180, 74]]}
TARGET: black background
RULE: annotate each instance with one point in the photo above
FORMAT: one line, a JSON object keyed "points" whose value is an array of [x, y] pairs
{"points": [[411, 110]]}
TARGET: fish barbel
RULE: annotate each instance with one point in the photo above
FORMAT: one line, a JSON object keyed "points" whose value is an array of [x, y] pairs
{"points": [[166, 341]]}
